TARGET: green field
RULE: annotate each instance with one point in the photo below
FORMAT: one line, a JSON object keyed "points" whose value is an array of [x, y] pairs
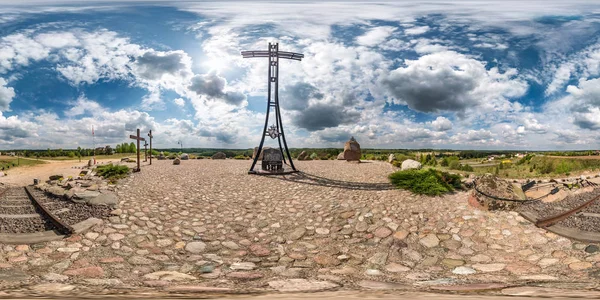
{"points": [[11, 162]]}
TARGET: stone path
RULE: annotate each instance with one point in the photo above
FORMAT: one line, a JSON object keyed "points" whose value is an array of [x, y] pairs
{"points": [[207, 225]]}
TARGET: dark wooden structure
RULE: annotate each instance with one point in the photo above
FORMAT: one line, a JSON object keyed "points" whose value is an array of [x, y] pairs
{"points": [[276, 131], [138, 139]]}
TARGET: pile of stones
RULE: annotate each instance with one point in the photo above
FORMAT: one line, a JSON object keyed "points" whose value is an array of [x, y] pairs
{"points": [[87, 188], [490, 191]]}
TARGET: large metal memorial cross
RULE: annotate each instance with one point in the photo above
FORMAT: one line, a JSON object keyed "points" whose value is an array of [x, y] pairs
{"points": [[276, 130], [138, 139]]}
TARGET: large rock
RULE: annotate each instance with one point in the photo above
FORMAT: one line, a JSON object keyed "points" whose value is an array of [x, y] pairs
{"points": [[391, 158], [161, 156], [219, 155], [185, 156], [56, 177], [106, 199], [1, 174], [90, 162], [352, 150], [260, 157], [341, 156], [84, 197], [176, 161], [490, 189], [303, 155], [410, 164]]}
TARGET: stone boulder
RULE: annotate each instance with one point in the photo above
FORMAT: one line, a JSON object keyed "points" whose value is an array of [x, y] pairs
{"points": [[161, 156], [185, 156], [410, 164], [84, 196], [260, 157], [352, 150], [177, 161], [489, 189], [391, 158], [56, 177], [90, 162], [341, 156], [303, 155], [106, 199], [219, 155], [125, 159], [2, 174]]}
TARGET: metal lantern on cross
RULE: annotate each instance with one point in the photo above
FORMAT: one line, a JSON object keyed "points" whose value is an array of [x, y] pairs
{"points": [[276, 130]]}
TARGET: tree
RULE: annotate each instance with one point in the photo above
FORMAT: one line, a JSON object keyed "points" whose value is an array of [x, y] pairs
{"points": [[118, 148], [132, 148]]}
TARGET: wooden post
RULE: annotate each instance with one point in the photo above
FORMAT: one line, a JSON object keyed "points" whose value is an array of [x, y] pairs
{"points": [[150, 135], [138, 139], [145, 151]]}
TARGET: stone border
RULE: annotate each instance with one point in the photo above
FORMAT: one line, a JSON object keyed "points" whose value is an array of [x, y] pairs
{"points": [[576, 234], [45, 236]]}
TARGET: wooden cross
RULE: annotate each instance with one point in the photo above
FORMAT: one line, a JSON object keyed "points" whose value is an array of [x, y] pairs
{"points": [[138, 139], [150, 135], [145, 151]]}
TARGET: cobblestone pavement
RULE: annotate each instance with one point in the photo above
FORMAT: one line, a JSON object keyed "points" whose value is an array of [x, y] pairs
{"points": [[209, 226]]}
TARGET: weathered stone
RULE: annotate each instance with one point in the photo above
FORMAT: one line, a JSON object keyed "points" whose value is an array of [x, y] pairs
{"points": [[352, 150], [401, 235], [185, 156], [462, 270], [195, 247], [582, 265], [430, 241], [326, 260], [486, 268], [230, 245], [396, 268], [499, 188], [592, 249], [52, 288], [245, 275], [382, 232], [243, 266], [379, 258], [259, 250], [301, 285], [169, 276], [177, 161], [410, 164], [93, 272], [106, 198], [139, 260], [449, 262]]}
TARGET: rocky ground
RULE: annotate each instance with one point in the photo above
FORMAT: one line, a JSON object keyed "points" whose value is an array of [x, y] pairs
{"points": [[208, 225]]}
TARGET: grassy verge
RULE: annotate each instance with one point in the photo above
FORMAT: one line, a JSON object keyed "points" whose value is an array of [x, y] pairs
{"points": [[112, 172], [426, 182], [11, 162]]}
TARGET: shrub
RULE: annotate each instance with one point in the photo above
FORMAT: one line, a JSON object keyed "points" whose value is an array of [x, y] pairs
{"points": [[425, 182], [112, 172], [240, 157], [314, 155], [200, 157]]}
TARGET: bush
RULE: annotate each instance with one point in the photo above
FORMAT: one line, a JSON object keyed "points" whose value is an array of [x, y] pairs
{"points": [[314, 155], [112, 172], [200, 157], [240, 157], [426, 182]]}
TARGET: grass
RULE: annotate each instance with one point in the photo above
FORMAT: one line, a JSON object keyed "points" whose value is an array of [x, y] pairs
{"points": [[112, 172], [10, 162], [429, 182], [98, 157]]}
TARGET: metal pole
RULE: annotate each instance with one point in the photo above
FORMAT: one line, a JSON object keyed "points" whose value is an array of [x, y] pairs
{"points": [[262, 139], [278, 112]]}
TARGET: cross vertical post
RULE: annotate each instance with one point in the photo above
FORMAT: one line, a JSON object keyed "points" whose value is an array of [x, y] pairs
{"points": [[138, 139], [150, 135], [276, 131], [145, 151]]}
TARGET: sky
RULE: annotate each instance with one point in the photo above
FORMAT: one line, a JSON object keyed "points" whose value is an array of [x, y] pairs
{"points": [[402, 74]]}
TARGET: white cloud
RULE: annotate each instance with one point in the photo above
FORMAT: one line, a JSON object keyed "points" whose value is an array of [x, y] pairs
{"points": [[416, 30], [82, 106], [375, 36], [6, 95], [441, 124], [179, 102], [449, 81]]}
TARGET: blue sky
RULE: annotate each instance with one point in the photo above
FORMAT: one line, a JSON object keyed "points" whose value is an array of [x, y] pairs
{"points": [[412, 74]]}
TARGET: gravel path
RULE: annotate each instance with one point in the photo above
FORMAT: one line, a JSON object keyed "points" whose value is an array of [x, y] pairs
{"points": [[209, 223]]}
